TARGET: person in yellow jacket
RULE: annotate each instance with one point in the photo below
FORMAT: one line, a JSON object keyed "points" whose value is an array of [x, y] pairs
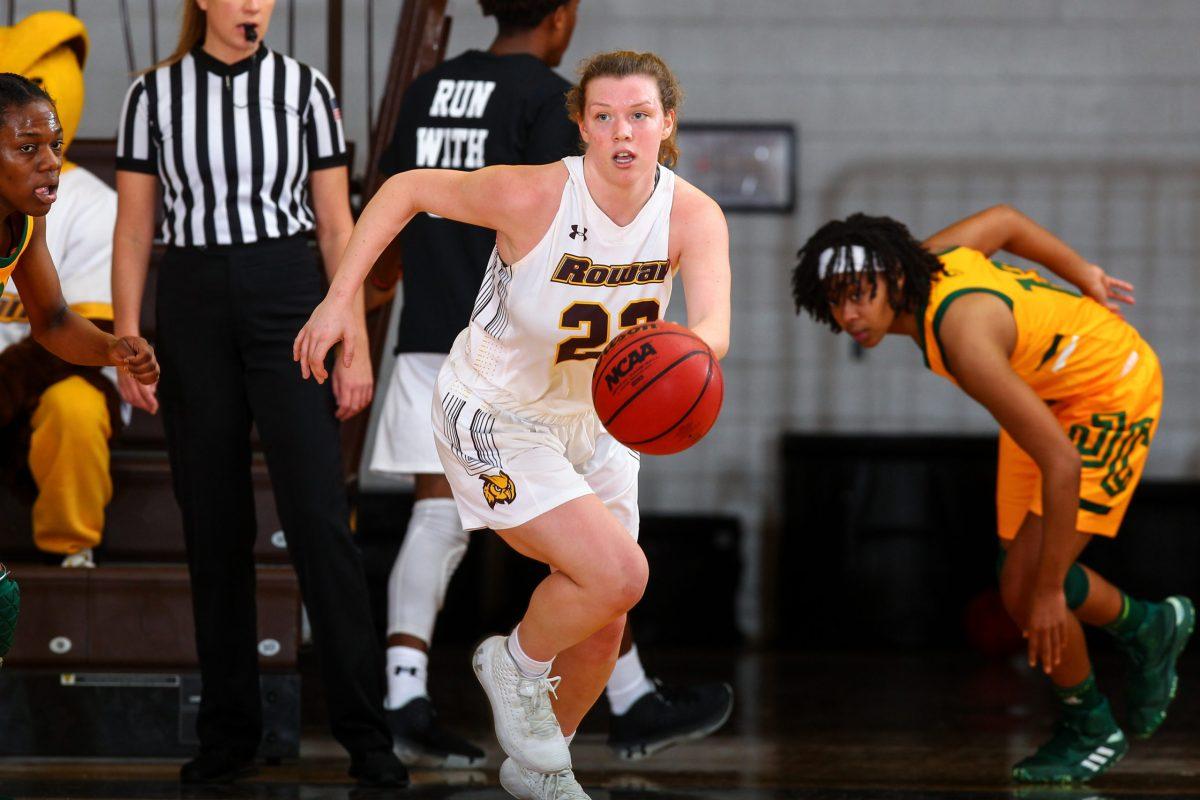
{"points": [[65, 412], [1077, 393]]}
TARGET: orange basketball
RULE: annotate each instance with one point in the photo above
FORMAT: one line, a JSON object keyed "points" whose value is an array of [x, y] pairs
{"points": [[657, 388]]}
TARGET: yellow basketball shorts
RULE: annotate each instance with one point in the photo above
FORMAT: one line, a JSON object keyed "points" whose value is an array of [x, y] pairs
{"points": [[1112, 431]]}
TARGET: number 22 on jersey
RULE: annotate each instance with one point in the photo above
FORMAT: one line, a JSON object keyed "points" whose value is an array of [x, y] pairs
{"points": [[593, 319]]}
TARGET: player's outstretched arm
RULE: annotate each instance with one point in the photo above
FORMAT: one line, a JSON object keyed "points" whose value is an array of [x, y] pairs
{"points": [[978, 334], [1003, 227], [703, 259], [65, 333], [498, 197]]}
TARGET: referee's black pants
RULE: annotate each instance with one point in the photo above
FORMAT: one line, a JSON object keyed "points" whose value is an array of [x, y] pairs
{"points": [[227, 317]]}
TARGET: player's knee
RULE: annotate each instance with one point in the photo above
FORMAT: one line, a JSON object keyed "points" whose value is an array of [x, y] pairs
{"points": [[637, 576], [74, 408], [626, 579], [1076, 587], [1014, 594]]}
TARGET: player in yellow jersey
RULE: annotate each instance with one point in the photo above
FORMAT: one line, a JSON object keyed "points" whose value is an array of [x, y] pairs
{"points": [[1077, 393], [30, 159]]}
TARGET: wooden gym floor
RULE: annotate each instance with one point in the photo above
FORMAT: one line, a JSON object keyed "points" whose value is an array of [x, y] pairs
{"points": [[888, 726]]}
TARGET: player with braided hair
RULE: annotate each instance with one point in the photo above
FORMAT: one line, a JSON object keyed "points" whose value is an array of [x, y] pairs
{"points": [[1077, 393]]}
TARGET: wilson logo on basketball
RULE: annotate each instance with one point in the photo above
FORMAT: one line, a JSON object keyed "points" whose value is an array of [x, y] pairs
{"points": [[622, 367], [580, 271], [498, 489]]}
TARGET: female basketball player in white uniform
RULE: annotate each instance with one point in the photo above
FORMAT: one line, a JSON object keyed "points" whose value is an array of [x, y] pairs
{"points": [[584, 248]]}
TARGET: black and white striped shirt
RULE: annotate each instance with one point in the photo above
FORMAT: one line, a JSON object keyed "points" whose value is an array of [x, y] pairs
{"points": [[232, 145]]}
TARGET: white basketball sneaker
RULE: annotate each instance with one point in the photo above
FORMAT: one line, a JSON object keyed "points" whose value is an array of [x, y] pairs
{"points": [[528, 785], [525, 723]]}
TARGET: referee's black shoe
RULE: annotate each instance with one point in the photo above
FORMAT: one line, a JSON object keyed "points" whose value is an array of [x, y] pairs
{"points": [[668, 716], [378, 769], [420, 741], [217, 767]]}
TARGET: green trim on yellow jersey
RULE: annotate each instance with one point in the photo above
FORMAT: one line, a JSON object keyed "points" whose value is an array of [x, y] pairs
{"points": [[1094, 508], [19, 243], [945, 305]]}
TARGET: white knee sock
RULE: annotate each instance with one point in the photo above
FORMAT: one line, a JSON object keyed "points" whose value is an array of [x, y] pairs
{"points": [[407, 671], [628, 683], [529, 667], [433, 547]]}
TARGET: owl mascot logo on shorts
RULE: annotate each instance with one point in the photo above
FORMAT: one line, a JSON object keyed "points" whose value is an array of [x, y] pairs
{"points": [[498, 489], [50, 48]]}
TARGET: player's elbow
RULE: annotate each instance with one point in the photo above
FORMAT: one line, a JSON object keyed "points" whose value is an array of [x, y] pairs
{"points": [[42, 327], [1001, 213], [715, 334], [1061, 463], [396, 189]]}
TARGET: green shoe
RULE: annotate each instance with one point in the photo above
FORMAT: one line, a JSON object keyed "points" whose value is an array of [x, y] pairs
{"points": [[1084, 745], [10, 607], [1153, 650]]}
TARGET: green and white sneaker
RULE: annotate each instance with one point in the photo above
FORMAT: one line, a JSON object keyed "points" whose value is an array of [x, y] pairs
{"points": [[10, 609], [1084, 745], [1153, 650]]}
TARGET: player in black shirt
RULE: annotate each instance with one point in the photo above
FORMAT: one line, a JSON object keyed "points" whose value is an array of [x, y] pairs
{"points": [[501, 106]]}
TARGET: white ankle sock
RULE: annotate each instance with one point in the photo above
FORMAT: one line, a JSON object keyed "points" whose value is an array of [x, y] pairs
{"points": [[570, 738], [407, 671], [628, 683], [529, 667]]}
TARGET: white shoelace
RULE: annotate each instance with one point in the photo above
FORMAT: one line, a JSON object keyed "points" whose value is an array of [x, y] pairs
{"points": [[553, 782], [535, 697]]}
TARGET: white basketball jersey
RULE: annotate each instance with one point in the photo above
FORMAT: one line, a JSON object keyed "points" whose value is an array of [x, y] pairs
{"points": [[538, 325]]}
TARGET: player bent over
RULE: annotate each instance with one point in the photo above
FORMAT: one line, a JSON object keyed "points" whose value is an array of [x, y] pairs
{"points": [[1077, 393]]}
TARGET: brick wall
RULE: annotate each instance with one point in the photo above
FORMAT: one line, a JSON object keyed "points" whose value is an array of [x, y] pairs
{"points": [[1085, 113]]}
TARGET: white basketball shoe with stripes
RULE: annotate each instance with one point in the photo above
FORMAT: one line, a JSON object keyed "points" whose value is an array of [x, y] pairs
{"points": [[525, 784], [524, 719]]}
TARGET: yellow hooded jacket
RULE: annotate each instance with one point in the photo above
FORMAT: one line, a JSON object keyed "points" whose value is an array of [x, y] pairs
{"points": [[50, 48]]}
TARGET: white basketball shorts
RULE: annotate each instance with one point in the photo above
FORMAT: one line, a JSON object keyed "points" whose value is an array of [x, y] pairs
{"points": [[404, 438], [506, 469]]}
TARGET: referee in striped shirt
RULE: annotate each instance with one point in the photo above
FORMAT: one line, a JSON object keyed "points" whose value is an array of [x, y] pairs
{"points": [[246, 147]]}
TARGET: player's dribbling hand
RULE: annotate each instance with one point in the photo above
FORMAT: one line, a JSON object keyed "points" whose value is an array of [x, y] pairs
{"points": [[1047, 631], [327, 326], [1105, 289]]}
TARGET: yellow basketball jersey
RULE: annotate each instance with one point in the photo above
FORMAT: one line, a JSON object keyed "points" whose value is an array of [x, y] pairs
{"points": [[1068, 346], [21, 238]]}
